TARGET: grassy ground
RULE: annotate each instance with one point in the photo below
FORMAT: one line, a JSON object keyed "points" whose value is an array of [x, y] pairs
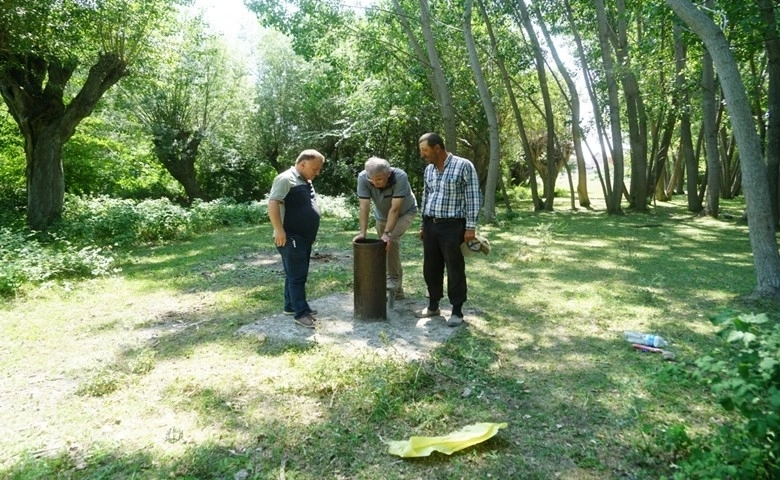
{"points": [[141, 375]]}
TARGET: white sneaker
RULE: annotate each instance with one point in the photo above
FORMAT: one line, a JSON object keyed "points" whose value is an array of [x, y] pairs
{"points": [[454, 320]]}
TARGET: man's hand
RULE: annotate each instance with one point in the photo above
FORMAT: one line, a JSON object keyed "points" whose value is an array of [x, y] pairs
{"points": [[359, 236], [387, 238], [469, 235], [280, 238]]}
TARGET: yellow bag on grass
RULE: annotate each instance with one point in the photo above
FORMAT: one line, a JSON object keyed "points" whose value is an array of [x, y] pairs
{"points": [[424, 446]]}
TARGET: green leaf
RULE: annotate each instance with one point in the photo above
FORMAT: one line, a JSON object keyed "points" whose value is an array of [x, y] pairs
{"points": [[746, 337], [768, 364], [754, 319]]}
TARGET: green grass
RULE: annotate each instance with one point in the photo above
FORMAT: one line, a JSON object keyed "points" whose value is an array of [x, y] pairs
{"points": [[141, 375]]}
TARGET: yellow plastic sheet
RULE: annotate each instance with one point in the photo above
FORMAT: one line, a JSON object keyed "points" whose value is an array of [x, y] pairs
{"points": [[424, 446]]}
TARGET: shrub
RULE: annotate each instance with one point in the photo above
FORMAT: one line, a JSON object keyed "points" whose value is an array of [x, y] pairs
{"points": [[746, 381], [208, 216], [25, 259], [161, 219], [101, 219]]}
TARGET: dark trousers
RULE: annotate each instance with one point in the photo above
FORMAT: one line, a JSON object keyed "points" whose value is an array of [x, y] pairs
{"points": [[295, 259], [441, 249]]}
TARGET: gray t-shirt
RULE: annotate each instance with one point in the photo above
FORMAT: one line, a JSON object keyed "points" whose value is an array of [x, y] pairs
{"points": [[397, 187]]}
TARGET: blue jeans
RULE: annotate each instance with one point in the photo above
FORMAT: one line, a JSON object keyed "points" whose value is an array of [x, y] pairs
{"points": [[295, 259]]}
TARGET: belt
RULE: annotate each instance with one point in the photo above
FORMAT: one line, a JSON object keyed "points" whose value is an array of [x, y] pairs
{"points": [[444, 219]]}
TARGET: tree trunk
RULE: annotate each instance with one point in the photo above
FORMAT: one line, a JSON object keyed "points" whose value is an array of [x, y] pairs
{"points": [[661, 161], [489, 205], [710, 124], [635, 114], [574, 105], [552, 170], [772, 150], [606, 187], [515, 108], [761, 224], [446, 105], [177, 153], [615, 196], [33, 88], [45, 178]]}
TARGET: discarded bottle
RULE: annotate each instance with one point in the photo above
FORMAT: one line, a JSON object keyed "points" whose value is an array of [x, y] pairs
{"points": [[645, 339]]}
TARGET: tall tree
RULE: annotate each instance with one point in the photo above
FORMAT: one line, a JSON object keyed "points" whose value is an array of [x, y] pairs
{"points": [[48, 51], [772, 147], [710, 127], [761, 225], [517, 114], [489, 207], [614, 188], [524, 18], [635, 110], [573, 99], [183, 97], [434, 62]]}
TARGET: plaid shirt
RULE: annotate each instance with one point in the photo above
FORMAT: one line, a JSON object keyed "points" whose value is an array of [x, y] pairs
{"points": [[453, 192]]}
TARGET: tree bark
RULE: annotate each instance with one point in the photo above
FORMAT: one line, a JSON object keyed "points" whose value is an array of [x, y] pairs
{"points": [[446, 105], [710, 125], [616, 193], [34, 90], [761, 224], [574, 104], [489, 205], [772, 150]]}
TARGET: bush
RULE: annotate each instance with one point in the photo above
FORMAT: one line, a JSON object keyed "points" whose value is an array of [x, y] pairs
{"points": [[24, 259], [161, 220], [102, 219], [224, 212], [117, 222], [746, 381]]}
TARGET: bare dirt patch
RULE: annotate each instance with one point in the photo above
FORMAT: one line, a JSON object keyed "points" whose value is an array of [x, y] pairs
{"points": [[402, 333]]}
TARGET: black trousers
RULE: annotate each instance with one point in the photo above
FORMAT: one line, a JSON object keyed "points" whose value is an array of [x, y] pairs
{"points": [[441, 249]]}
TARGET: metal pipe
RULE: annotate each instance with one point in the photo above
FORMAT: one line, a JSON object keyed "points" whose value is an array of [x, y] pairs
{"points": [[369, 272]]}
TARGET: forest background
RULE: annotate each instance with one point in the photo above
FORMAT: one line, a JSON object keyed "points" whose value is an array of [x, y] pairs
{"points": [[120, 115]]}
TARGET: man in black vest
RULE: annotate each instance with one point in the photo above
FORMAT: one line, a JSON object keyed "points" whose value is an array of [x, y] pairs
{"points": [[295, 216]]}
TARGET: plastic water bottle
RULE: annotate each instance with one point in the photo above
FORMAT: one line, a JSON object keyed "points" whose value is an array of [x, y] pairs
{"points": [[645, 339]]}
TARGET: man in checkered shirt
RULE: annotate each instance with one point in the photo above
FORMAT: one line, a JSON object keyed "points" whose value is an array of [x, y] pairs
{"points": [[450, 205]]}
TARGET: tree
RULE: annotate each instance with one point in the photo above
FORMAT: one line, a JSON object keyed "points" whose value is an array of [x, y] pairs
{"points": [[490, 113], [182, 98], [551, 172], [761, 223], [615, 188], [573, 99], [772, 148], [57, 59]]}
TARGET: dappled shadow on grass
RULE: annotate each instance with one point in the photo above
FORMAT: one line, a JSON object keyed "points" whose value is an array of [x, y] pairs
{"points": [[690, 260], [545, 356], [575, 406], [238, 259]]}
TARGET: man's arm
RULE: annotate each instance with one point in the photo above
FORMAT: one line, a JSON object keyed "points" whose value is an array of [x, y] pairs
{"points": [[473, 201], [275, 215], [392, 219], [365, 205]]}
